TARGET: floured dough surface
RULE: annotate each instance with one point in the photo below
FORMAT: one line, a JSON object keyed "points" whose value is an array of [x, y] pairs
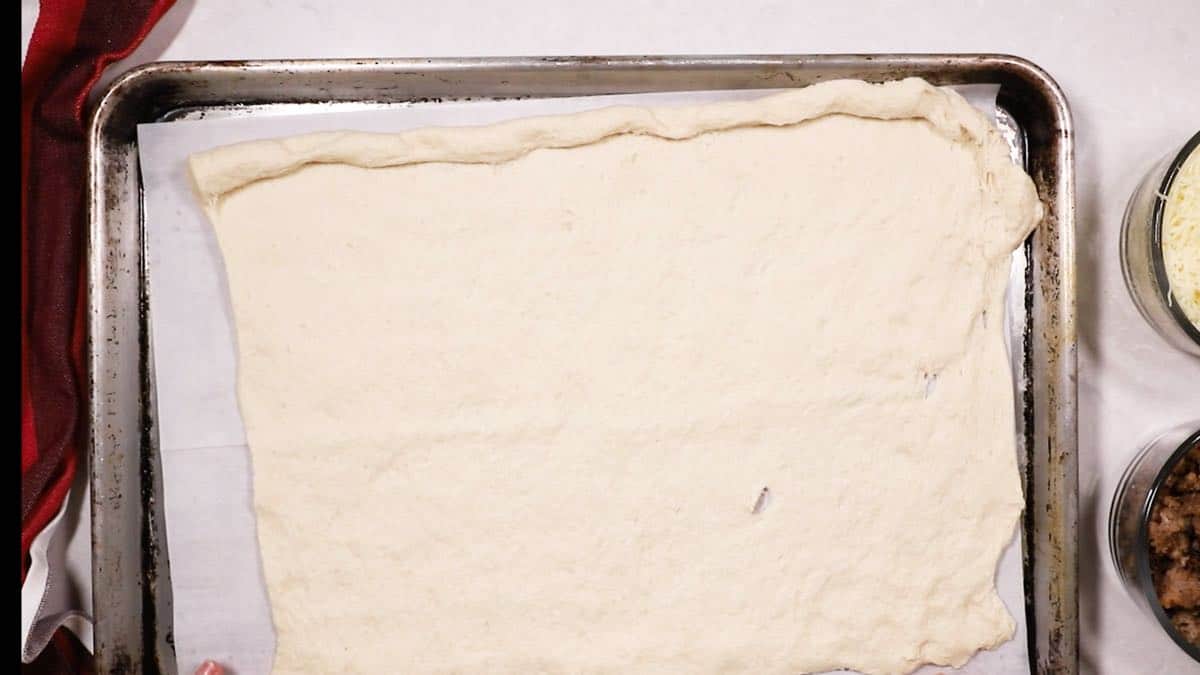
{"points": [[512, 392]]}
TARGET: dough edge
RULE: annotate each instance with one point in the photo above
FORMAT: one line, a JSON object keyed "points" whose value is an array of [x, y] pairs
{"points": [[222, 170]]}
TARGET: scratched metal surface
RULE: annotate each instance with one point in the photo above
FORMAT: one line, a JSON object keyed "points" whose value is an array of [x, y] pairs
{"points": [[131, 578]]}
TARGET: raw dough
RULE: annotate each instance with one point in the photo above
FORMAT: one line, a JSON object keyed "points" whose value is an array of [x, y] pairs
{"points": [[513, 392]]}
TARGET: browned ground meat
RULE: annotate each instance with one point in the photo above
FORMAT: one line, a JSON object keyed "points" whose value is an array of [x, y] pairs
{"points": [[1175, 545], [1179, 588], [1187, 622], [1189, 480]]}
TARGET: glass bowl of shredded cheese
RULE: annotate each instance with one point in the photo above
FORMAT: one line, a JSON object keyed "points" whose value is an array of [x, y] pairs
{"points": [[1160, 247]]}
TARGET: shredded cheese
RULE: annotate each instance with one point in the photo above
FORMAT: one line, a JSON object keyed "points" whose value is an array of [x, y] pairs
{"points": [[1181, 238]]}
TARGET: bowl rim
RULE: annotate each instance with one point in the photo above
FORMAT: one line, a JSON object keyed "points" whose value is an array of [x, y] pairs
{"points": [[1156, 243], [1142, 547]]}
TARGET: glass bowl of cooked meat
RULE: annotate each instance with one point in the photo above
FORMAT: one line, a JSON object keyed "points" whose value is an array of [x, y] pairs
{"points": [[1154, 533]]}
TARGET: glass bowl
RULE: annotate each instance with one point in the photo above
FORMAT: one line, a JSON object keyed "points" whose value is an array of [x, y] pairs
{"points": [[1129, 521], [1142, 254]]}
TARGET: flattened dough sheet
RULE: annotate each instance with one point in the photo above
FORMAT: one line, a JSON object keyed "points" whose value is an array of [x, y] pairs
{"points": [[513, 392]]}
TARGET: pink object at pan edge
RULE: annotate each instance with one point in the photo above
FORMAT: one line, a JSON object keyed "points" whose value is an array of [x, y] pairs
{"points": [[210, 668]]}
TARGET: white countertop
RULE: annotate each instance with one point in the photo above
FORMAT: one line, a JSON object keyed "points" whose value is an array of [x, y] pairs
{"points": [[1131, 72]]}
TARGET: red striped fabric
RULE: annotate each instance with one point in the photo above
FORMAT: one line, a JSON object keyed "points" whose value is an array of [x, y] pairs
{"points": [[64, 655], [72, 43]]}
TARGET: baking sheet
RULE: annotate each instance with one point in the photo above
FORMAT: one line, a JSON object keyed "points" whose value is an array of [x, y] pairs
{"points": [[220, 603]]}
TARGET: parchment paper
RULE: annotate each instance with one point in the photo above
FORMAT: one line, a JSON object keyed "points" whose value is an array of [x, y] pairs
{"points": [[220, 600]]}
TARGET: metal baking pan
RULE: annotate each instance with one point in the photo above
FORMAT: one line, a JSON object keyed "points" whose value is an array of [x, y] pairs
{"points": [[131, 579]]}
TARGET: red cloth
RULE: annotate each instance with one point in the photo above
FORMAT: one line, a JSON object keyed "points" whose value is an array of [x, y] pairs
{"points": [[64, 654], [72, 43]]}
